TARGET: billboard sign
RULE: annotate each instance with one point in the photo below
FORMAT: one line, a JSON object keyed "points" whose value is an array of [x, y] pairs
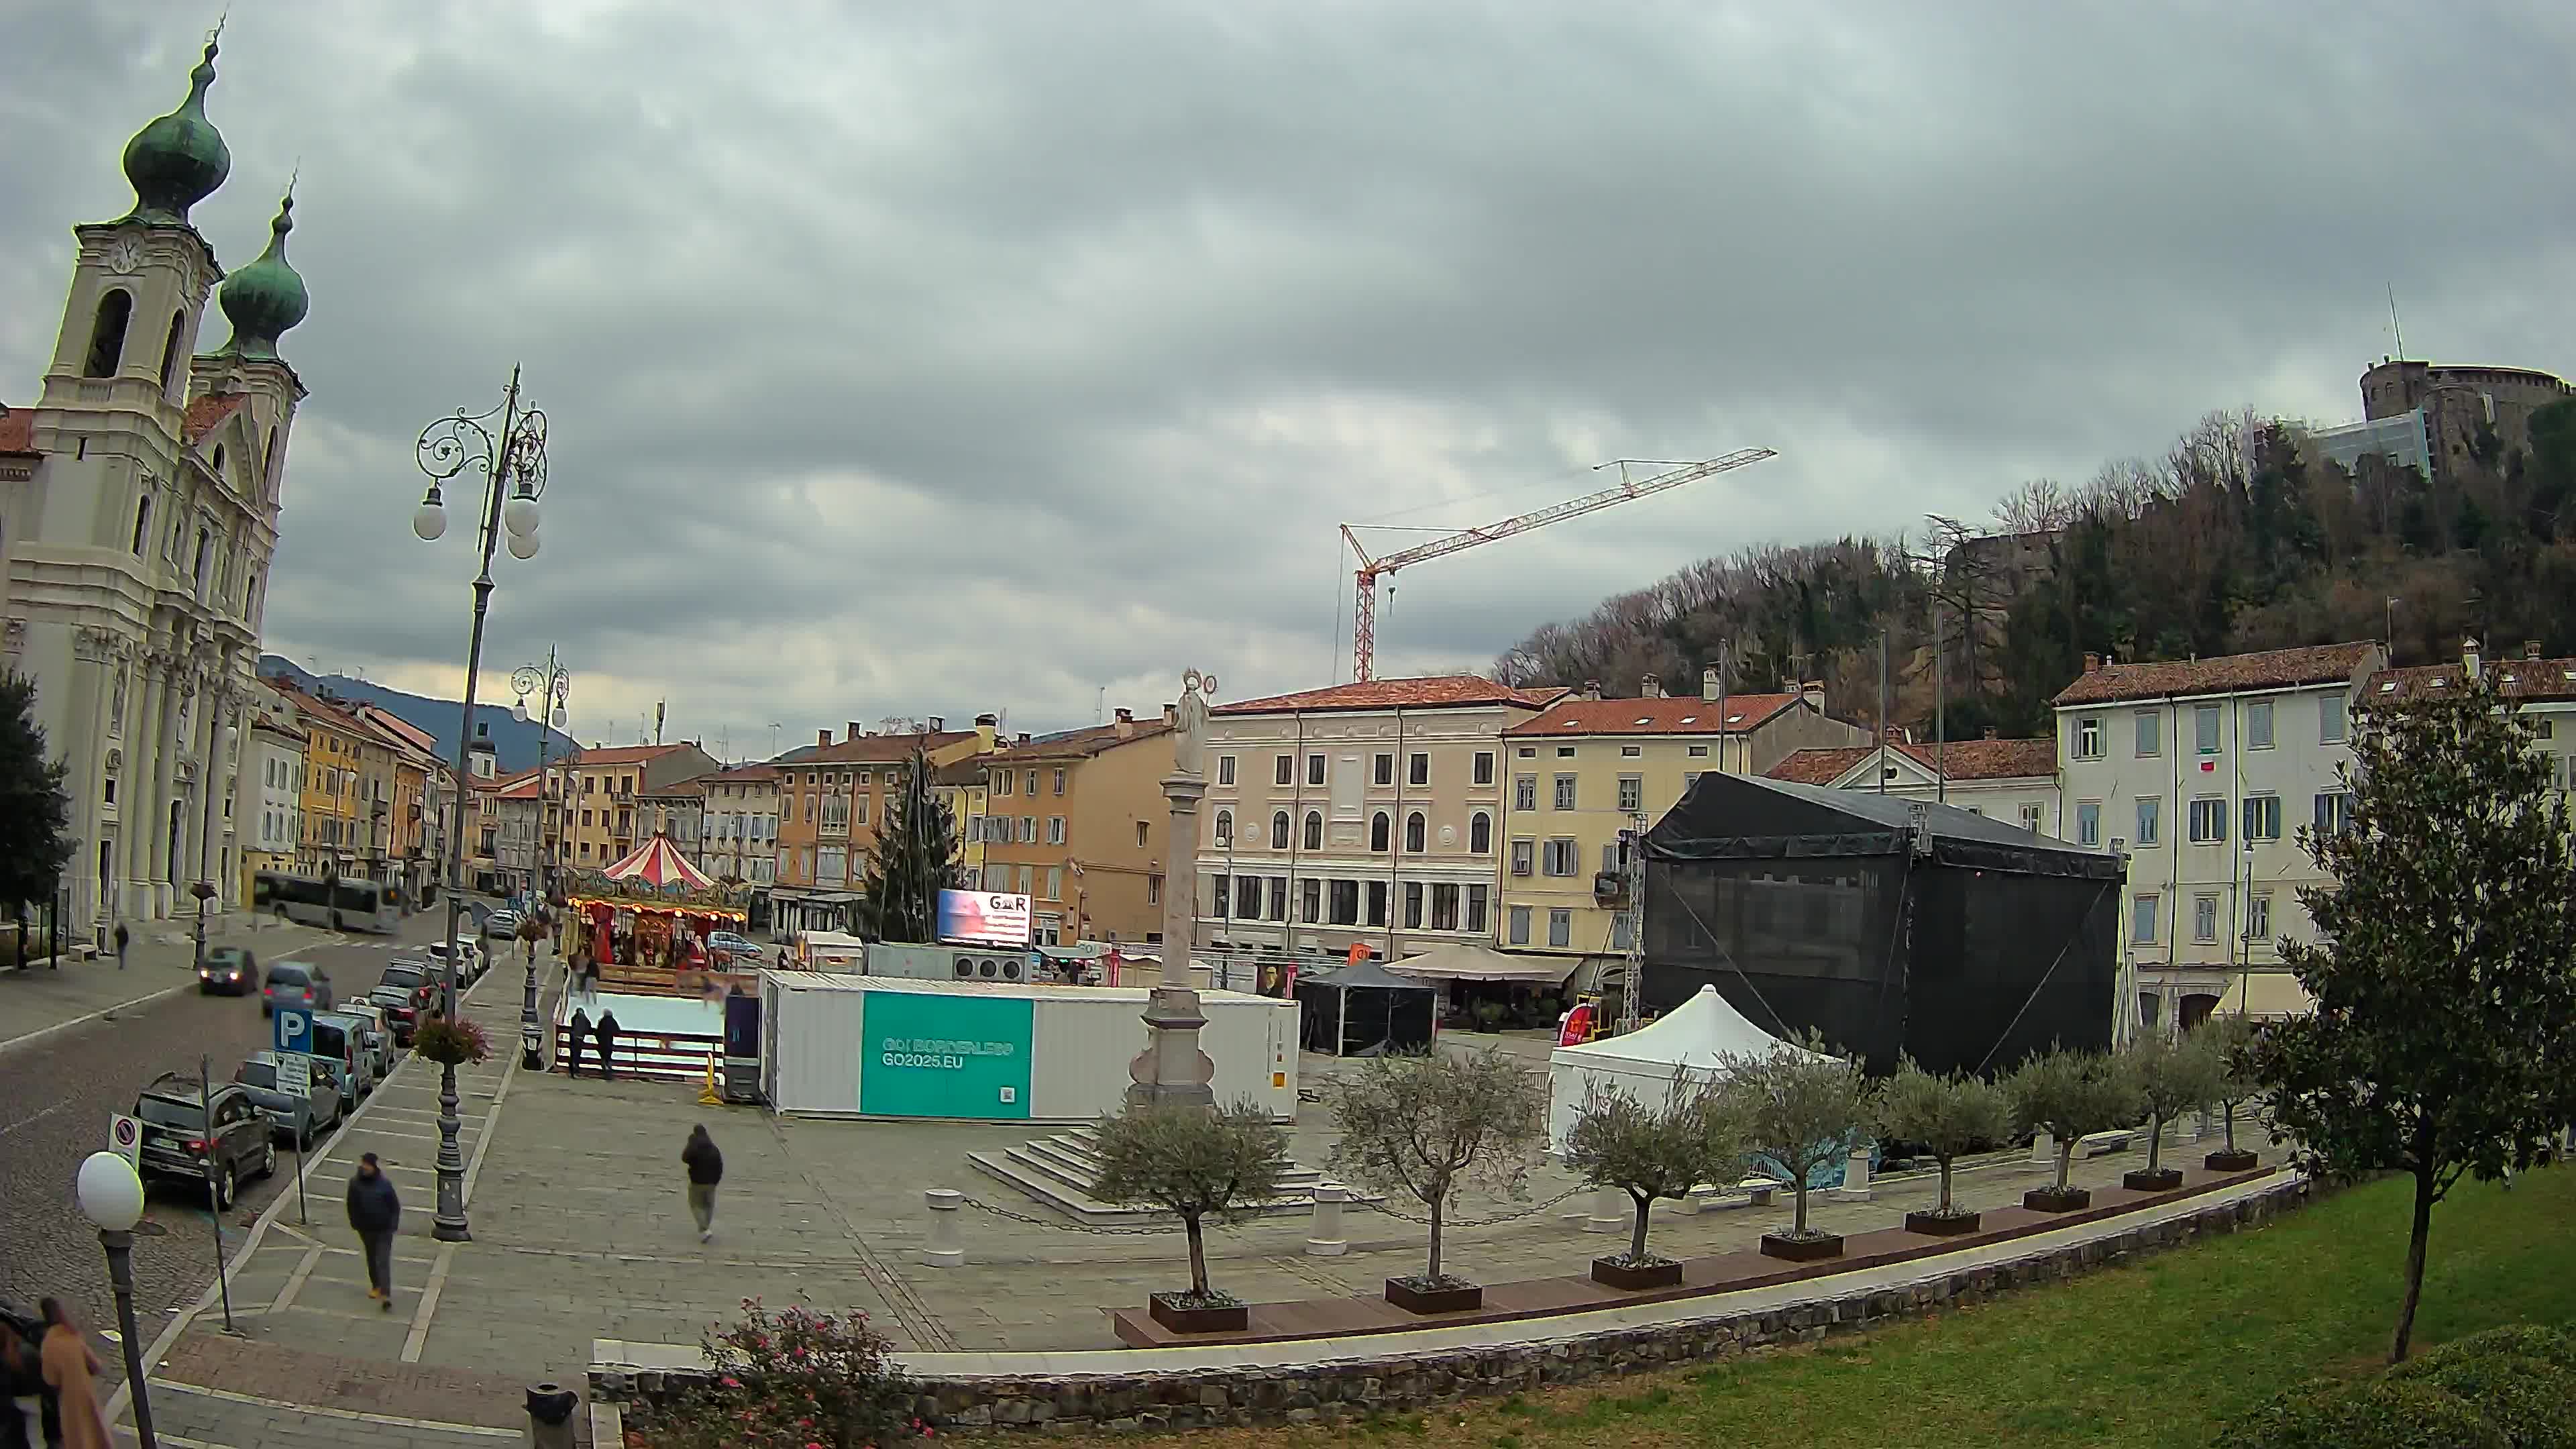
{"points": [[927, 1054], [983, 918]]}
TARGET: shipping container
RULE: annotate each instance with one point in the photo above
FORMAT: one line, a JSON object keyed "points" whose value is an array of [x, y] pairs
{"points": [[868, 1046]]}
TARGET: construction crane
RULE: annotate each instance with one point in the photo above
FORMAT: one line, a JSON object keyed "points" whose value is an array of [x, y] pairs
{"points": [[1364, 611]]}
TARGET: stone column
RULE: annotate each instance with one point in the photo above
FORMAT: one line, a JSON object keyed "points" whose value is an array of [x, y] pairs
{"points": [[1171, 1068], [139, 797], [1326, 1238], [945, 1249]]}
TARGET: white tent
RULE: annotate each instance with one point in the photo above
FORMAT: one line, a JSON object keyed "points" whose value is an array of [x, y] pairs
{"points": [[1694, 1036]]}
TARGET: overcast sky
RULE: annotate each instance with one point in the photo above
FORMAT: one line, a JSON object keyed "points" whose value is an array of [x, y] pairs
{"points": [[930, 359]]}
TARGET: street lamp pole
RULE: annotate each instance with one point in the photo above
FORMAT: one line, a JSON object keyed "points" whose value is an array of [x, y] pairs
{"points": [[513, 464], [553, 687], [111, 1197]]}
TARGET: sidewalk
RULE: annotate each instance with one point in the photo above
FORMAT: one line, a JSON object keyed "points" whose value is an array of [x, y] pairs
{"points": [[45, 998]]}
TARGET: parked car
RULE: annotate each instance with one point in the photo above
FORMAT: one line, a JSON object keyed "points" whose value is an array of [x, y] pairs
{"points": [[228, 969], [739, 947], [300, 1119], [343, 1039], [295, 983], [401, 1011], [380, 1036], [209, 1136], [470, 961], [501, 925]]}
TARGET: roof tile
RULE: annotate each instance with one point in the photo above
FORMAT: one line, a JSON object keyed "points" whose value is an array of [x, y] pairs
{"points": [[2528, 679], [207, 413], [1689, 715], [1430, 692], [1959, 759], [1080, 744], [2227, 674], [17, 430]]}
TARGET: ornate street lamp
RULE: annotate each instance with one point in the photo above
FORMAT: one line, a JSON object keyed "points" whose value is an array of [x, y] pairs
{"points": [[553, 687], [111, 1197], [513, 464]]}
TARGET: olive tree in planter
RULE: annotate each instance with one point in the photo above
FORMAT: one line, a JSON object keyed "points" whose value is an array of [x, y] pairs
{"points": [[1651, 1152], [1948, 1117], [1801, 1107], [2171, 1077], [2229, 1040], [2068, 1094], [1428, 1125], [1194, 1164]]}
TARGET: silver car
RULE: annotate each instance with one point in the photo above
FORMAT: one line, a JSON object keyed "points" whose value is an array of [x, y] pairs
{"points": [[299, 1118]]}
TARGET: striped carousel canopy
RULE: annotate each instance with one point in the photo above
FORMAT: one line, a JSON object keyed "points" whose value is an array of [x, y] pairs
{"points": [[658, 865]]}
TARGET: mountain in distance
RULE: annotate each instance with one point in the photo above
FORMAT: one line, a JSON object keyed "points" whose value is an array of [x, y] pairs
{"points": [[514, 742]]}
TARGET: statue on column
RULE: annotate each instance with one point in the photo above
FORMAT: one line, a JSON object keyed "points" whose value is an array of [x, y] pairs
{"points": [[1189, 736]]}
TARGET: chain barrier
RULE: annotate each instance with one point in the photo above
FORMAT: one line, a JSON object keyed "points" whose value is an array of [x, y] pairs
{"points": [[985, 1207], [1447, 1223]]}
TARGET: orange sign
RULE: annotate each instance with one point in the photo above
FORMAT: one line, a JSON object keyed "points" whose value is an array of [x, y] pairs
{"points": [[1359, 953], [1578, 1026]]}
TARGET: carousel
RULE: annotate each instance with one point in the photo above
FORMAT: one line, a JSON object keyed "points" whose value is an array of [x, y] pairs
{"points": [[651, 915]]}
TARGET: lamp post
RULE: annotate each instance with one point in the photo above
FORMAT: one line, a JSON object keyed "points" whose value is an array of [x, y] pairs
{"points": [[111, 1197], [553, 687], [513, 464]]}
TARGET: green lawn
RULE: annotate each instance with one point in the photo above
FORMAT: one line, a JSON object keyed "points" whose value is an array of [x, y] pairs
{"points": [[2154, 1354]]}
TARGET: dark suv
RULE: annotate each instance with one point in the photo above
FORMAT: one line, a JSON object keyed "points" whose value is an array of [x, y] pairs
{"points": [[204, 1139]]}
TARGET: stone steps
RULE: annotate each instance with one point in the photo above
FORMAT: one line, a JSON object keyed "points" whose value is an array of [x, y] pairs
{"points": [[1063, 1172]]}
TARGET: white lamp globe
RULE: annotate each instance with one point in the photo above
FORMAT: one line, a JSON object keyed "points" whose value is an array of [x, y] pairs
{"points": [[519, 515], [562, 717], [111, 1196], [523, 545], [519, 711], [429, 521]]}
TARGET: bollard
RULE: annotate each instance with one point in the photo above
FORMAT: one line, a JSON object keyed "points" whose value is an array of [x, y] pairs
{"points": [[1855, 1186], [550, 1409], [1610, 1212], [1324, 1236], [2043, 1150], [1687, 1205], [944, 1249], [2190, 1126]]}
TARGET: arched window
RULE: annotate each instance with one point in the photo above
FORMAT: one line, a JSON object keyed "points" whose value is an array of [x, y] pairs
{"points": [[205, 551], [142, 522], [1413, 828], [1379, 827], [170, 356], [1314, 830], [219, 460], [1480, 833], [1279, 830], [1225, 827], [107, 335], [268, 462]]}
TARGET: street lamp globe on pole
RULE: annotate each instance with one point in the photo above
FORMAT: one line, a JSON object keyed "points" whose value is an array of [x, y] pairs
{"points": [[553, 687], [512, 461], [111, 1197]]}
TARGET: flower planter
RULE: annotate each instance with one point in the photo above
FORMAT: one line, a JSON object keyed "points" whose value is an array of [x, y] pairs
{"points": [[1182, 1317], [1802, 1250], [1412, 1296], [2235, 1159], [2054, 1200], [2162, 1179], [1616, 1273], [1942, 1225]]}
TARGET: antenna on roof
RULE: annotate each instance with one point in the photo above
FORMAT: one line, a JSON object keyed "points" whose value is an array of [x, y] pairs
{"points": [[2397, 331]]}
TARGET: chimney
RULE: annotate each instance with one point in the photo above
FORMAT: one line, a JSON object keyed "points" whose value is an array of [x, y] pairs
{"points": [[1708, 684], [1650, 687], [1990, 732], [823, 738], [1171, 715], [2469, 656], [855, 731], [2092, 663], [1024, 737], [1591, 689], [993, 720], [1126, 723], [1814, 692], [939, 724], [2530, 648]]}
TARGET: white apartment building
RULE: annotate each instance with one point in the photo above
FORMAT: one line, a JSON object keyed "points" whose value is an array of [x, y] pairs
{"points": [[274, 765], [2542, 690], [2202, 771], [2009, 780], [742, 825], [1363, 814]]}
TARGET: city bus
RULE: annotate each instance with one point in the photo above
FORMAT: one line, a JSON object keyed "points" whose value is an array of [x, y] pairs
{"points": [[343, 903]]}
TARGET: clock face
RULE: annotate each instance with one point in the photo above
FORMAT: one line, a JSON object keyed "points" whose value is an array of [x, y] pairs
{"points": [[125, 255]]}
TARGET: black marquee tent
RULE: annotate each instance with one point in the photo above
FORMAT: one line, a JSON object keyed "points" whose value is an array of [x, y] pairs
{"points": [[1364, 1010], [1889, 925]]}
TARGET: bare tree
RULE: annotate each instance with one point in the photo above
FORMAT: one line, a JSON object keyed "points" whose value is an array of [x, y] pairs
{"points": [[1194, 1164], [1662, 1151], [1428, 1125]]}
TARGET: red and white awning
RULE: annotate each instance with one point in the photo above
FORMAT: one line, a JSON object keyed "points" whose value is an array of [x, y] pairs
{"points": [[658, 864]]}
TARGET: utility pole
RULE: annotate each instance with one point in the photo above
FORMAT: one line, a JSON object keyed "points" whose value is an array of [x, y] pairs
{"points": [[1940, 712], [1882, 710]]}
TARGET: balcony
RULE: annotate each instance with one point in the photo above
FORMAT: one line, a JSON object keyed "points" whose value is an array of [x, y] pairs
{"points": [[1609, 888]]}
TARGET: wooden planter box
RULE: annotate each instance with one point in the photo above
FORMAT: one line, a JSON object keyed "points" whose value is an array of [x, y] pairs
{"points": [[2238, 1160], [1179, 1318], [2163, 1179], [1802, 1250], [1610, 1272], [2050, 1200], [1434, 1300], [1942, 1225]]}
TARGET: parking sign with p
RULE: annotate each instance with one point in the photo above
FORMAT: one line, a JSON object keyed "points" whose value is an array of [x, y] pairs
{"points": [[294, 1031]]}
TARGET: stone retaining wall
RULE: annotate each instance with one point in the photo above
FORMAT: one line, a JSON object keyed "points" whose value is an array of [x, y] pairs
{"points": [[1293, 1392]]}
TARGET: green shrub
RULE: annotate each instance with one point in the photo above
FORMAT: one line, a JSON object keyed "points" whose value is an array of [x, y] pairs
{"points": [[2514, 1340], [2378, 1413], [2533, 1401]]}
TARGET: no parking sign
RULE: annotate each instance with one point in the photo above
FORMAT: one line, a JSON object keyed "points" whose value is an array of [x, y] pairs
{"points": [[125, 1138]]}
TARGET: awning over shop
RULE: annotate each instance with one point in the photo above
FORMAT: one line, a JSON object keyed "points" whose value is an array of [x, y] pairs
{"points": [[1467, 961]]}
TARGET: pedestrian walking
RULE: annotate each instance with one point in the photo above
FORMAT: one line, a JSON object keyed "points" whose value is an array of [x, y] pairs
{"points": [[578, 1029], [608, 1045], [706, 1169], [120, 945], [375, 1211], [69, 1365], [22, 1376]]}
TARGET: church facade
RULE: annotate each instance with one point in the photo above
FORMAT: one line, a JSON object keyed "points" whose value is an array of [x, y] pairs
{"points": [[139, 504]]}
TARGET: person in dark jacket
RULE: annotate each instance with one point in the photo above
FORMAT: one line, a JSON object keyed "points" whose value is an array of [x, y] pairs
{"points": [[706, 1169], [121, 939], [608, 1045], [375, 1212], [574, 1034]]}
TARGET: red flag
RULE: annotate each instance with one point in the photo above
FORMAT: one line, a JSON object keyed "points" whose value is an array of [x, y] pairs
{"points": [[1578, 1026]]}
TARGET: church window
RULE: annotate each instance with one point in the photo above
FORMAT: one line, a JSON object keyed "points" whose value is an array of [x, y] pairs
{"points": [[142, 522], [107, 336], [219, 460], [205, 551], [170, 351]]}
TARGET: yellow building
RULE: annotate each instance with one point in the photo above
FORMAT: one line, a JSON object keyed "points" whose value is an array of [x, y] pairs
{"points": [[1078, 823], [1585, 769], [964, 787], [602, 819], [334, 835]]}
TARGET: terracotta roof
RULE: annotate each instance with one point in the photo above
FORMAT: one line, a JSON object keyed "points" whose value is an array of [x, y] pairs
{"points": [[744, 775], [323, 710], [2228, 674], [1080, 744], [968, 771], [514, 787], [17, 430], [207, 413], [1432, 692], [403, 729], [2545, 679], [623, 754], [1665, 716], [884, 749], [273, 727], [1961, 759], [695, 786]]}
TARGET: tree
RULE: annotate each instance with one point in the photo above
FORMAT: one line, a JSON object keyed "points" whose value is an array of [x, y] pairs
{"points": [[1800, 1106], [1655, 1152], [1430, 1124], [914, 860], [1946, 1116], [2445, 1007], [2229, 1040], [2069, 1094], [2171, 1078], [1194, 1164], [35, 811]]}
